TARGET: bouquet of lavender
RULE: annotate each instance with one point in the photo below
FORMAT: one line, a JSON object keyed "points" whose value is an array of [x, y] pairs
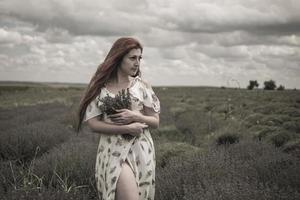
{"points": [[108, 105]]}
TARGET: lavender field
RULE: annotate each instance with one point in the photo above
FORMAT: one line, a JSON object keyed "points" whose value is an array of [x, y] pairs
{"points": [[213, 143]]}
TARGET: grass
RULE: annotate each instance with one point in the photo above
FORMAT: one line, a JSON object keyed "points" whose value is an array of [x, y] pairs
{"points": [[34, 95], [212, 143], [246, 170], [27, 128]]}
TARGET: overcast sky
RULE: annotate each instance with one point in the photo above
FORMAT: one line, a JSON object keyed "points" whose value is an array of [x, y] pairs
{"points": [[186, 42]]}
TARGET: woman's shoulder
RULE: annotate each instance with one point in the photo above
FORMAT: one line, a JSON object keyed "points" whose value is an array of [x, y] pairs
{"points": [[142, 82], [102, 93]]}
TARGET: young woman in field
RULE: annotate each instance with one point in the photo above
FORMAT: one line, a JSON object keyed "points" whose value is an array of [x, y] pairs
{"points": [[125, 166]]}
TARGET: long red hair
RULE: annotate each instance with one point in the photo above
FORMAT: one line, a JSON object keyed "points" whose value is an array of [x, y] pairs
{"points": [[105, 71]]}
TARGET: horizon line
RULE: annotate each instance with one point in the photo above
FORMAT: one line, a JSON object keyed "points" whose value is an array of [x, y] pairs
{"points": [[80, 83]]}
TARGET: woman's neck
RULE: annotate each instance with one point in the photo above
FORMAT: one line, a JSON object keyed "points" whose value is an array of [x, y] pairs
{"points": [[120, 79]]}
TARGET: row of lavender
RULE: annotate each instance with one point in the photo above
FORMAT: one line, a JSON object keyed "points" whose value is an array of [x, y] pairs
{"points": [[212, 144]]}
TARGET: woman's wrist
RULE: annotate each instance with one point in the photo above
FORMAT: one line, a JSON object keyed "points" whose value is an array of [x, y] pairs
{"points": [[126, 129], [138, 117]]}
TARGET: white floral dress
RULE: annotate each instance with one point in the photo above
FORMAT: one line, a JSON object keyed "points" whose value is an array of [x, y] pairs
{"points": [[113, 149]]}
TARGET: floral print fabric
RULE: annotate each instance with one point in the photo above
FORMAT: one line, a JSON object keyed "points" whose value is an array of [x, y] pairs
{"points": [[113, 149]]}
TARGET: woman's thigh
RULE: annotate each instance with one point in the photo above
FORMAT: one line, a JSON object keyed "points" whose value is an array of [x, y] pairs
{"points": [[126, 185]]}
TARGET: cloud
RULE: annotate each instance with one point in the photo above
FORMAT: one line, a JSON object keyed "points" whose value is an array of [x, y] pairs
{"points": [[96, 17], [187, 42], [9, 37], [91, 17], [194, 16]]}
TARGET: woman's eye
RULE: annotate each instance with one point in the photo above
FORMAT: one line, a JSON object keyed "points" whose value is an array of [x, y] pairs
{"points": [[134, 58]]}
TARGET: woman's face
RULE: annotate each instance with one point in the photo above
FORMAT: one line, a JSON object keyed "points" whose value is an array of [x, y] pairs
{"points": [[131, 62]]}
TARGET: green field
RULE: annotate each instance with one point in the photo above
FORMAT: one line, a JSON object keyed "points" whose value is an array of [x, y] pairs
{"points": [[213, 143]]}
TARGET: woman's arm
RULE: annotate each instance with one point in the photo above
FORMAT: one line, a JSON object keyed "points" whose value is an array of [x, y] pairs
{"points": [[148, 117], [126, 116], [110, 128]]}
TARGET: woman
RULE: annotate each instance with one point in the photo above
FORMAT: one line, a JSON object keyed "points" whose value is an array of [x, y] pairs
{"points": [[125, 167]]}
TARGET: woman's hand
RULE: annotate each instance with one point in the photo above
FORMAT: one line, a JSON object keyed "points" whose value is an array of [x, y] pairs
{"points": [[136, 128], [124, 116]]}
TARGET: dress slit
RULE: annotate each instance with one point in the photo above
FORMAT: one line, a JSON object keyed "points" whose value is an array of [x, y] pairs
{"points": [[114, 176], [126, 160]]}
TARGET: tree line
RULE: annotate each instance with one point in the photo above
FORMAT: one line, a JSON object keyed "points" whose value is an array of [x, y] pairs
{"points": [[268, 85]]}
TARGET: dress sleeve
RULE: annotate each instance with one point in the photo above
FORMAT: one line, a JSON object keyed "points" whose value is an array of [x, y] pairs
{"points": [[150, 99], [92, 110]]}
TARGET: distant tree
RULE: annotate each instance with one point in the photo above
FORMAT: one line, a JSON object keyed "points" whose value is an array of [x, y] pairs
{"points": [[281, 87], [269, 85], [252, 84]]}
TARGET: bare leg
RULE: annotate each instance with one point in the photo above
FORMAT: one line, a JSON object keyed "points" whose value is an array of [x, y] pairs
{"points": [[126, 185]]}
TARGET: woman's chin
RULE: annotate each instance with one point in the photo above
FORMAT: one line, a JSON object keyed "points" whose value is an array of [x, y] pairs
{"points": [[133, 73]]}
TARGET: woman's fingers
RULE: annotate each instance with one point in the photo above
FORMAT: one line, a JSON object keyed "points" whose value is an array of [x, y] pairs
{"points": [[120, 121], [117, 119], [144, 125], [121, 113], [115, 115], [121, 110], [121, 117]]}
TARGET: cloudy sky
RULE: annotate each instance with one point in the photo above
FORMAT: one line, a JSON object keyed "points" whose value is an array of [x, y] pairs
{"points": [[186, 42]]}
